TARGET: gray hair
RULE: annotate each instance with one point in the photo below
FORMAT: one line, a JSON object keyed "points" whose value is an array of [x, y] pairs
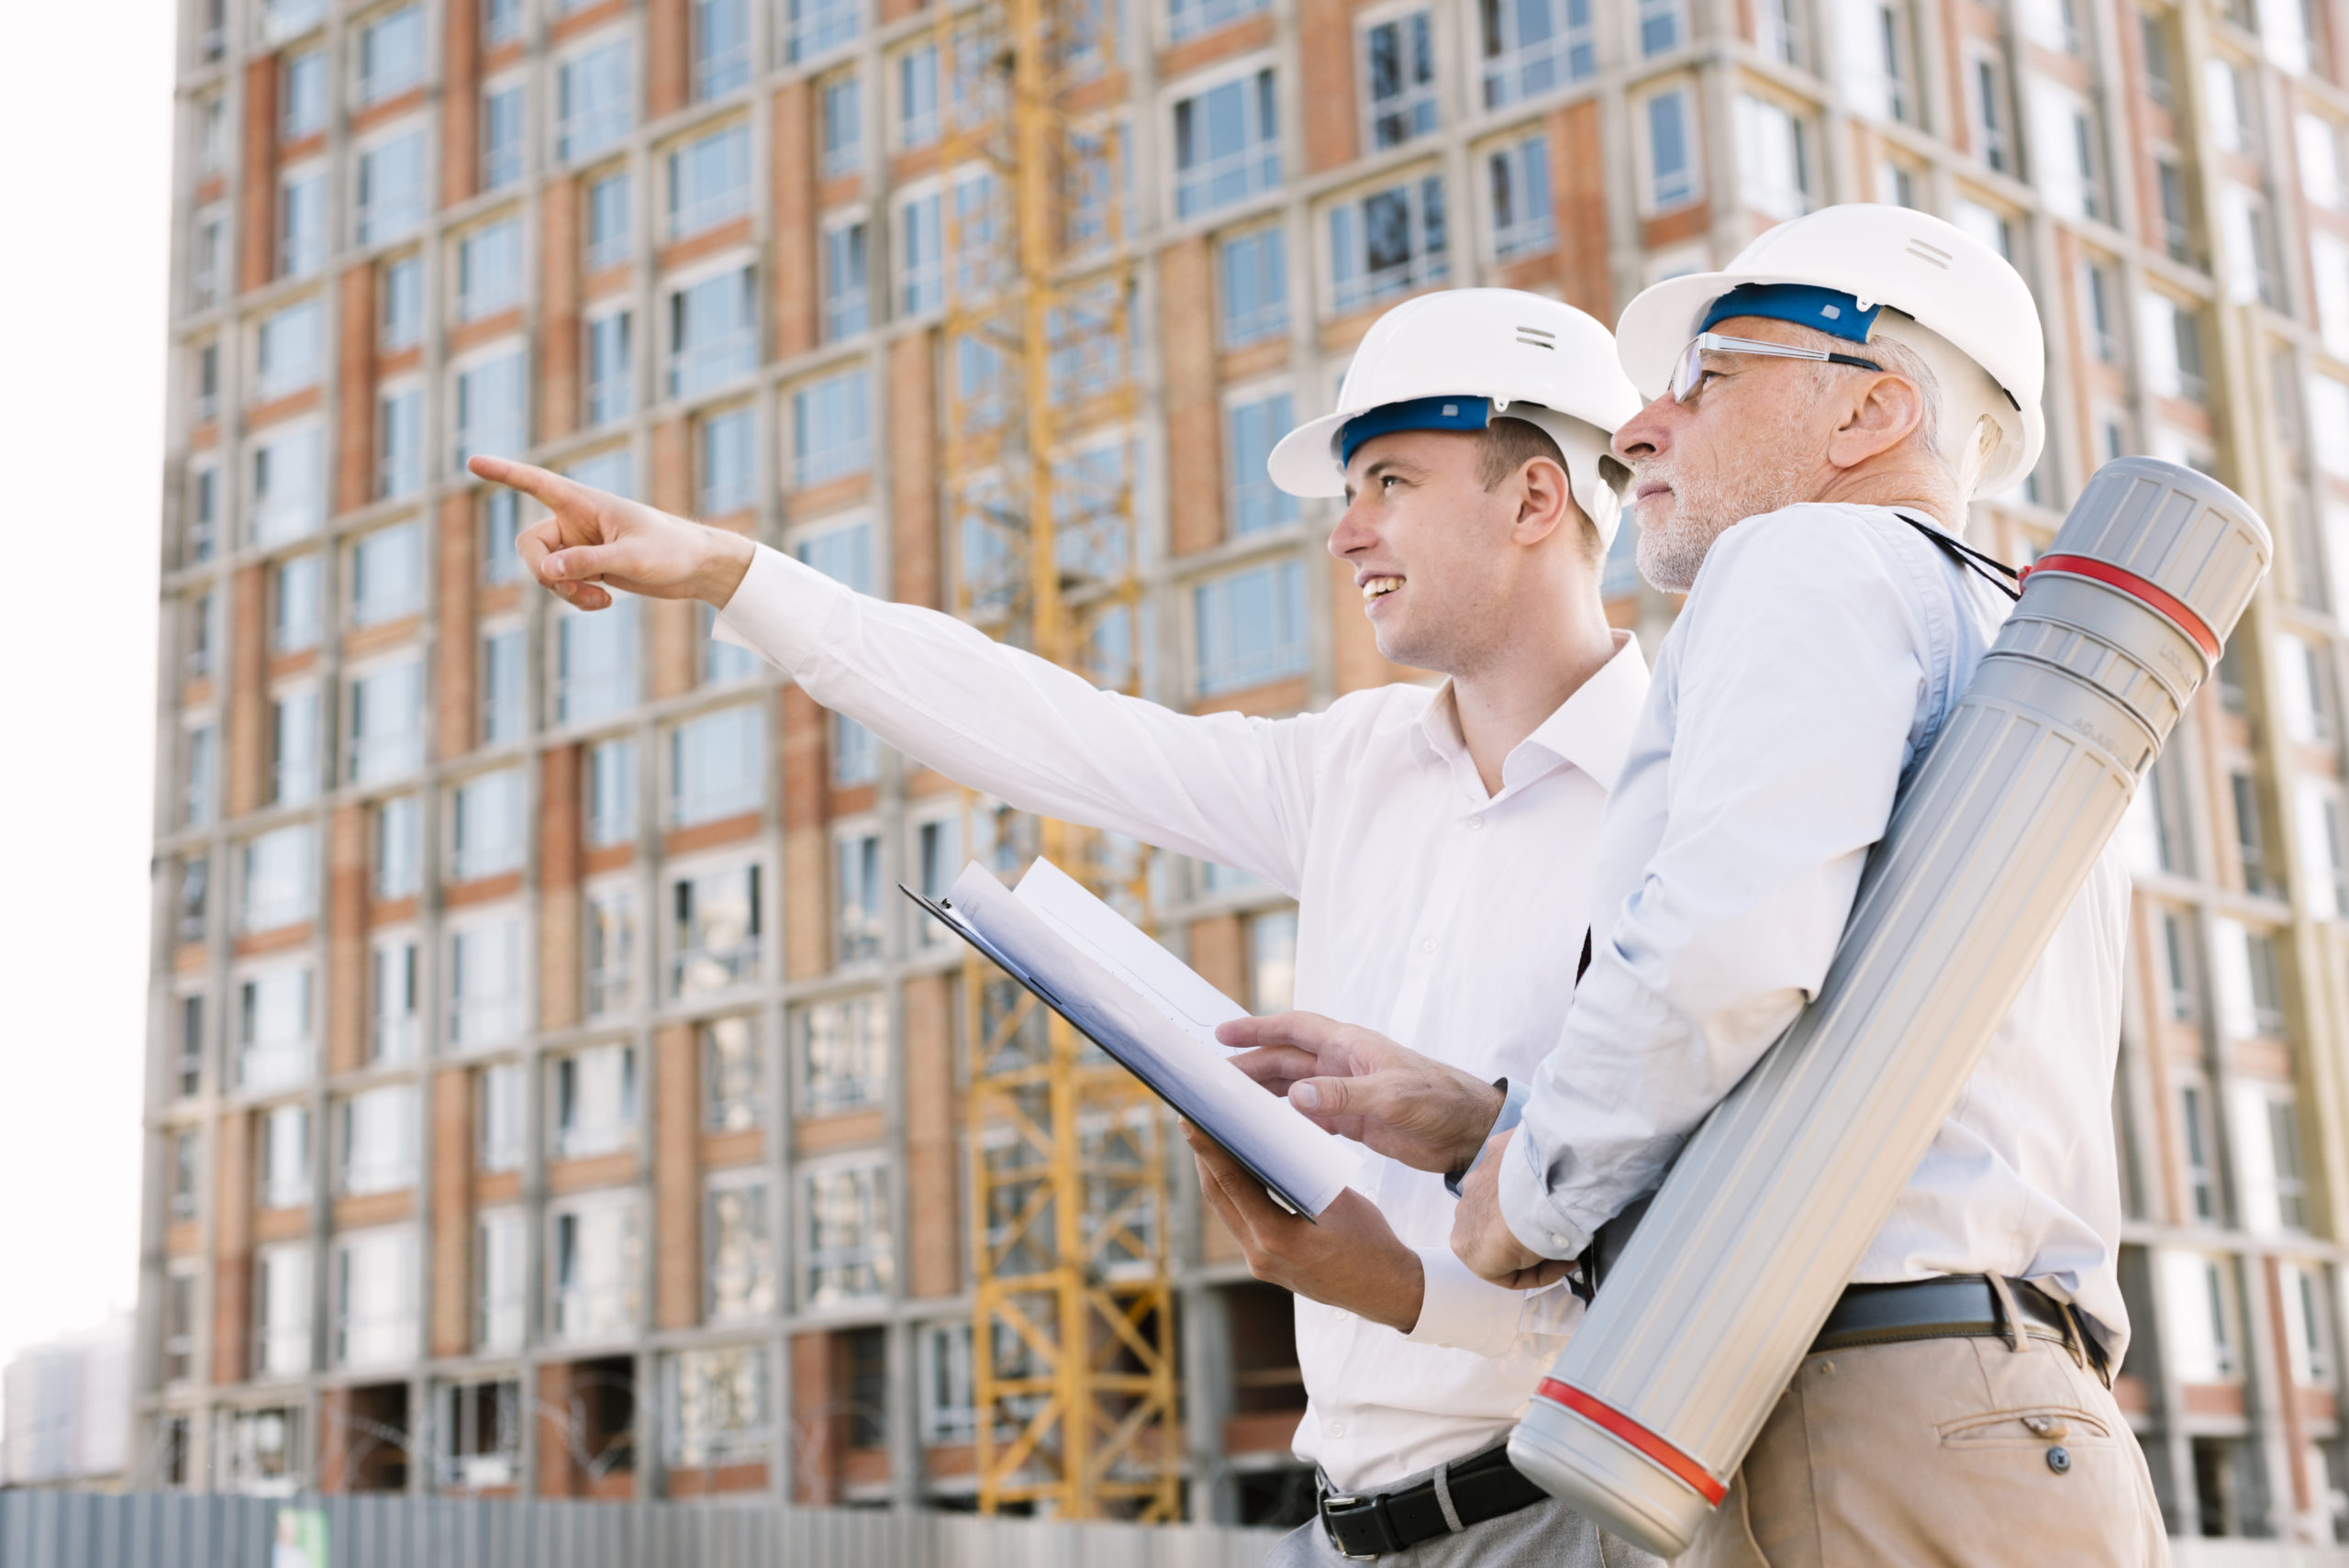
{"points": [[1903, 360]]}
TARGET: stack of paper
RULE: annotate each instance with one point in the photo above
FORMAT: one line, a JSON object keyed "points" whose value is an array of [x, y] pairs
{"points": [[1151, 1013]]}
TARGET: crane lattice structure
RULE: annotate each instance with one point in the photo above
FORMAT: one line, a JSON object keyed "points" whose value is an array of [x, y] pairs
{"points": [[1073, 1356]]}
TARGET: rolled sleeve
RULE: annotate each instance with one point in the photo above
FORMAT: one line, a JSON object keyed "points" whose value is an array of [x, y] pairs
{"points": [[1464, 1313]]}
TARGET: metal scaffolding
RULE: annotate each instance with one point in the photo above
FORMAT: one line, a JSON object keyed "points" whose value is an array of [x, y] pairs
{"points": [[1073, 1338]]}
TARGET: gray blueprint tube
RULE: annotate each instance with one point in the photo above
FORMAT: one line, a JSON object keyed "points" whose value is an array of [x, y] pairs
{"points": [[1699, 1327]]}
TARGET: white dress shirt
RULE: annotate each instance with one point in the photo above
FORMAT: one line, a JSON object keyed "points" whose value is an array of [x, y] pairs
{"points": [[1442, 917], [1820, 652]]}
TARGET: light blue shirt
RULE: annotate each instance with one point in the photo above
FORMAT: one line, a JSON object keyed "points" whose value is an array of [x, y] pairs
{"points": [[1820, 652]]}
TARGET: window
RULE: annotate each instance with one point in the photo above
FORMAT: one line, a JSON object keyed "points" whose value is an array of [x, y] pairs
{"points": [[403, 322], [1256, 503], [186, 1163], [917, 122], [739, 1260], [273, 1028], [391, 188], [829, 428], [286, 351], [1254, 268], [387, 727], [2169, 342], [847, 277], [375, 1318], [2099, 294], [937, 859], [841, 114], [2319, 142], [1671, 155], [483, 1420], [203, 511], [1517, 176], [717, 1407], [212, 133], [489, 270], [1774, 168], [498, 1296], [379, 1141], [398, 870], [594, 1101], [1533, 46], [501, 22], [1388, 242], [2250, 843], [1777, 28], [1399, 78], [713, 333], [611, 385], [2324, 868], [611, 949], [2230, 108], [1251, 627], [486, 825], [716, 934], [856, 754], [498, 1104], [501, 137], [843, 1051], [728, 462], [607, 222], [709, 180], [207, 250], [504, 694], [501, 528], [282, 1309], [1227, 145], [2268, 1137], [2300, 674], [1664, 25], [733, 1073], [492, 413], [399, 424], [179, 1331], [486, 1002], [397, 1031], [301, 222], [2249, 236], [594, 108], [2308, 1314], [1185, 18], [199, 795], [856, 897], [207, 385], [721, 30], [1272, 960], [279, 878], [1992, 130], [715, 765], [294, 748], [188, 1070], [595, 663], [386, 574], [2194, 1121], [261, 1453], [813, 27], [846, 1248], [843, 554], [611, 793], [200, 615], [391, 54], [2176, 975], [284, 1156]]}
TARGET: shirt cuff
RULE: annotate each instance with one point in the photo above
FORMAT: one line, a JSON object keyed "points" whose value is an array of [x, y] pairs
{"points": [[1512, 1110], [1526, 1206], [780, 610], [1461, 1312]]}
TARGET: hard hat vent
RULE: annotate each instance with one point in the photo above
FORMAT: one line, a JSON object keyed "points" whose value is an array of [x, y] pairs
{"points": [[1933, 253], [1534, 337]]}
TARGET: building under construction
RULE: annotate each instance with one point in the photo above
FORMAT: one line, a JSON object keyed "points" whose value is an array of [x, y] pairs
{"points": [[548, 1092]]}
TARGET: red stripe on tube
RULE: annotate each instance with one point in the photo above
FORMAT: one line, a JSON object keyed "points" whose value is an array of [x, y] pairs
{"points": [[1695, 1477], [2136, 587]]}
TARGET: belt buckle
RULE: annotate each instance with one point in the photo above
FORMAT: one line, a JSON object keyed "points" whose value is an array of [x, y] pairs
{"points": [[1376, 1512]]}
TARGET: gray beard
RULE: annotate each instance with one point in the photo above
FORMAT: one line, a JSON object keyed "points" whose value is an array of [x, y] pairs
{"points": [[1669, 556]]}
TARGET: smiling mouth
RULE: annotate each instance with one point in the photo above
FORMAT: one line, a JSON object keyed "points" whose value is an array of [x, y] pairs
{"points": [[1378, 587]]}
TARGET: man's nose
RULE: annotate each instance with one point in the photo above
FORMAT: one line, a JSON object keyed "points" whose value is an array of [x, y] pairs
{"points": [[1646, 433], [1351, 533]]}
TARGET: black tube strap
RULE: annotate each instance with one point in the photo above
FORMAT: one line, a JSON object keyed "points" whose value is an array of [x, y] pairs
{"points": [[1482, 1486], [2008, 581]]}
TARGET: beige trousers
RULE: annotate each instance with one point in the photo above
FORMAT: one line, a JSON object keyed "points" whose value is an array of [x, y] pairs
{"points": [[1939, 1452]]}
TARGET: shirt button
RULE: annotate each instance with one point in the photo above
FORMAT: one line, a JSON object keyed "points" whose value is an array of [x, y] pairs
{"points": [[1337, 1428], [1556, 1240], [1427, 946], [1475, 822]]}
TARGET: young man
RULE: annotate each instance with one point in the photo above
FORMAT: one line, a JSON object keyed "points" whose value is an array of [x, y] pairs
{"points": [[1430, 837], [1823, 410]]}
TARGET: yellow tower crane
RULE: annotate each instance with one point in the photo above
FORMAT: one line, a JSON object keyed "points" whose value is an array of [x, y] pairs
{"points": [[1073, 1349]]}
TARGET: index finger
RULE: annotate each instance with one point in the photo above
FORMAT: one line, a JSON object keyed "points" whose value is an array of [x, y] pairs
{"points": [[541, 485], [1277, 1066], [1307, 1031]]}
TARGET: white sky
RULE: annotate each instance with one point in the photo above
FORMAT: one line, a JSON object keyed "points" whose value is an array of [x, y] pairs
{"points": [[85, 155]]}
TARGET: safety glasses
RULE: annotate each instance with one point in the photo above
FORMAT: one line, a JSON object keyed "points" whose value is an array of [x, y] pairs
{"points": [[1689, 375]]}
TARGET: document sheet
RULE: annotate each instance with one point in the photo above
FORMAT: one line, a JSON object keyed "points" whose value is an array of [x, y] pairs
{"points": [[1153, 1013]]}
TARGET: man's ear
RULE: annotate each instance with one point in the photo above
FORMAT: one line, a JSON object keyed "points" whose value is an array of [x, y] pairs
{"points": [[1544, 502], [1889, 411]]}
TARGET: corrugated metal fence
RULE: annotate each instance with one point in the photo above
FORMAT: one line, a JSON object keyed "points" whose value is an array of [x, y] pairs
{"points": [[80, 1529]]}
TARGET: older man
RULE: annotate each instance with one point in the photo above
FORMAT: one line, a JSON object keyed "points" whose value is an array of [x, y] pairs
{"points": [[1427, 836], [1823, 411]]}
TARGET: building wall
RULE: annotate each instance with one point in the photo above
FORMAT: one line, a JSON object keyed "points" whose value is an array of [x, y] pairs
{"points": [[2168, 178]]}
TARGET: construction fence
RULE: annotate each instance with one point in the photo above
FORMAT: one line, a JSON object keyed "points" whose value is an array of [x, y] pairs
{"points": [[84, 1529]]}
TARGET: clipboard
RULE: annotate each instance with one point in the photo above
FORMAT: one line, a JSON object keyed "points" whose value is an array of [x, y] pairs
{"points": [[1174, 1093]]}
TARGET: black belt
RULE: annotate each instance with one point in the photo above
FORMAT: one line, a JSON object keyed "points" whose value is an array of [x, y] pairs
{"points": [[1953, 1306], [1483, 1486]]}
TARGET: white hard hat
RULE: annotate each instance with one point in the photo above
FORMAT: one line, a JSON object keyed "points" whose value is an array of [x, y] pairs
{"points": [[1965, 295], [1529, 358]]}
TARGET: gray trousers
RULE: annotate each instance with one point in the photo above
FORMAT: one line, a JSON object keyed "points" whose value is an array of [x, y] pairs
{"points": [[1547, 1533]]}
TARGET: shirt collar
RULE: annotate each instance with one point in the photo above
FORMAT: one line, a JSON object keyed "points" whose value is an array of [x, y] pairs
{"points": [[1591, 729]]}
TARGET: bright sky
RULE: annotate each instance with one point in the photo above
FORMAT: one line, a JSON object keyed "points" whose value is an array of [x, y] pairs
{"points": [[85, 159]]}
